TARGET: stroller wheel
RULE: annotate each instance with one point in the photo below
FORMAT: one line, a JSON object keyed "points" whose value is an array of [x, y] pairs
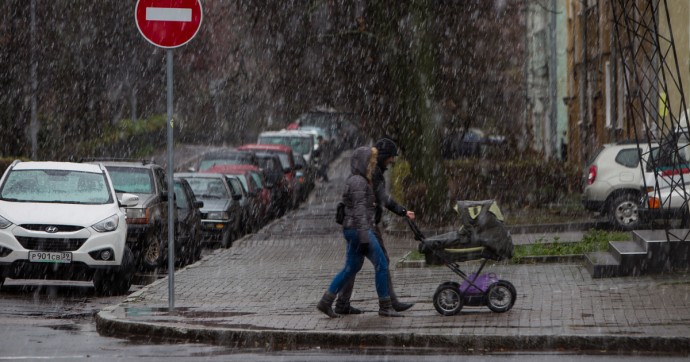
{"points": [[447, 299], [501, 296]]}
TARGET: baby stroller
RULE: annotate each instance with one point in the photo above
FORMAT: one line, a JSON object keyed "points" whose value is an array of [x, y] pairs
{"points": [[481, 236]]}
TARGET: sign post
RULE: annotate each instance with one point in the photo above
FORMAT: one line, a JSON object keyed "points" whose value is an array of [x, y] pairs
{"points": [[169, 24]]}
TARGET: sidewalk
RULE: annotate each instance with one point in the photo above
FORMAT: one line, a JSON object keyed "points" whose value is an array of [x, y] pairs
{"points": [[262, 293]]}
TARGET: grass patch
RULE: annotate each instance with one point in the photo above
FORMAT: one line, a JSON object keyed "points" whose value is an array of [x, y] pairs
{"points": [[592, 241]]}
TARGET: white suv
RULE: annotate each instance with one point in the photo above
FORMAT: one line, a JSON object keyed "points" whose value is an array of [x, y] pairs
{"points": [[612, 183], [62, 220]]}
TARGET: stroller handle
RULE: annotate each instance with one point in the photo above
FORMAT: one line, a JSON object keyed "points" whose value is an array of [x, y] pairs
{"points": [[415, 229]]}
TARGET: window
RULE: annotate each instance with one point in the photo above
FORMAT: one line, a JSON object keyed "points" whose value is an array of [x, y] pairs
{"points": [[607, 78], [628, 157]]}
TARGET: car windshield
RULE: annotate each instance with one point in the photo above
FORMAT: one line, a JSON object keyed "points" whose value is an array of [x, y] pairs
{"points": [[56, 186], [301, 145], [208, 188], [180, 197], [133, 180]]}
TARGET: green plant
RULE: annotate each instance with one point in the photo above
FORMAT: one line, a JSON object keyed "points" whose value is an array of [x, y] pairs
{"points": [[593, 240]]}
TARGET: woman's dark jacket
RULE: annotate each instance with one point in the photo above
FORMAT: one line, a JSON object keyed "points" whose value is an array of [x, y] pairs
{"points": [[359, 195]]}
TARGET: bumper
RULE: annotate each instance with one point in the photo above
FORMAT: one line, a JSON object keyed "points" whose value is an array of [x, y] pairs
{"points": [[592, 205], [647, 214], [212, 230]]}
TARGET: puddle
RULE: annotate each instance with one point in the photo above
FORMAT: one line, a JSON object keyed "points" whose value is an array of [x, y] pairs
{"points": [[185, 312]]}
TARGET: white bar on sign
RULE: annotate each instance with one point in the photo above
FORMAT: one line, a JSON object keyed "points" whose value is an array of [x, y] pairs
{"points": [[168, 14]]}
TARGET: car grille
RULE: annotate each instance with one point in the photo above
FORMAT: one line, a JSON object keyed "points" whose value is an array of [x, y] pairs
{"points": [[61, 228], [43, 244]]}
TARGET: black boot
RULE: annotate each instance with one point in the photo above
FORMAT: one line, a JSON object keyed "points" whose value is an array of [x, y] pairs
{"points": [[400, 306], [386, 308], [346, 308], [325, 305]]}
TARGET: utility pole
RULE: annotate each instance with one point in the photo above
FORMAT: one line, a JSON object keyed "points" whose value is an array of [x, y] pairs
{"points": [[33, 124]]}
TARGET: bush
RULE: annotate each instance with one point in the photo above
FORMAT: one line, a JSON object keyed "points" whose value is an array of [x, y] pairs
{"points": [[512, 183]]}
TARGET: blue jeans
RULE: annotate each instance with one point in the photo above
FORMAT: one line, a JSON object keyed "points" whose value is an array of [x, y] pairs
{"points": [[355, 259]]}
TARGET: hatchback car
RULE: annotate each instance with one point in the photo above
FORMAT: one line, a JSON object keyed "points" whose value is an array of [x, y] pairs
{"points": [[258, 199], [290, 197], [221, 215], [612, 182], [147, 222], [188, 227], [225, 157], [63, 220]]}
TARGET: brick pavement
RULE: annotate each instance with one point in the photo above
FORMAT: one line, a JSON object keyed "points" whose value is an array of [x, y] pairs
{"points": [[262, 293]]}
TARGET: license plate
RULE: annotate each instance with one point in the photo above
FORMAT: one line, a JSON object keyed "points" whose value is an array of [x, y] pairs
{"points": [[61, 257]]}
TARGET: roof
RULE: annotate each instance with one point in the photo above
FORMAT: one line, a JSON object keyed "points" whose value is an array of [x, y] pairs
{"points": [[197, 175], [231, 169], [51, 165], [287, 133]]}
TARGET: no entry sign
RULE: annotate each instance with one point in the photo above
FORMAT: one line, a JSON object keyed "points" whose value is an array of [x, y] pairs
{"points": [[168, 23]]}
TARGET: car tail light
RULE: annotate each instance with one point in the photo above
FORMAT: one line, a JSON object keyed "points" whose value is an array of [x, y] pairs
{"points": [[138, 216], [592, 175], [654, 203]]}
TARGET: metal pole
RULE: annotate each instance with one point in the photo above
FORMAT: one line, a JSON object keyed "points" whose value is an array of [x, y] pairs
{"points": [[171, 186]]}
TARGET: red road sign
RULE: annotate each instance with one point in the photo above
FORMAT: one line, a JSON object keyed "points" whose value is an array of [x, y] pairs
{"points": [[168, 23]]}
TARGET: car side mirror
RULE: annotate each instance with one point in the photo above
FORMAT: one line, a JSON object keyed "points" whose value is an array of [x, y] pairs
{"points": [[237, 197], [128, 200], [199, 204]]}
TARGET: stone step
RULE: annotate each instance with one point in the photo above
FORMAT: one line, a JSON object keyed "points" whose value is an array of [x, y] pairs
{"points": [[602, 264], [630, 255]]}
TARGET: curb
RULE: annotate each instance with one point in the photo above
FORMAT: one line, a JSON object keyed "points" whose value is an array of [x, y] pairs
{"points": [[108, 324]]}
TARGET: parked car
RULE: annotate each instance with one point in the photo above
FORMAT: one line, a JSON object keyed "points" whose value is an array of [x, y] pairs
{"points": [[301, 142], [666, 188], [289, 198], [225, 157], [62, 220], [147, 222], [275, 181], [188, 227], [305, 175], [251, 182], [221, 213], [612, 182], [460, 143]]}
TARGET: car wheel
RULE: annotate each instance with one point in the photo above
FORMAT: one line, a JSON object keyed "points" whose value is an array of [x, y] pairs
{"points": [[115, 282], [623, 212], [153, 254], [226, 239]]}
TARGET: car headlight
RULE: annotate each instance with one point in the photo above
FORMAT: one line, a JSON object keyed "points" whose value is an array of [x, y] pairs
{"points": [[106, 225], [218, 215], [4, 223]]}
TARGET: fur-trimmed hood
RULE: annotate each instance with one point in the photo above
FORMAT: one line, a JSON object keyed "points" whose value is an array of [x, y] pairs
{"points": [[363, 162]]}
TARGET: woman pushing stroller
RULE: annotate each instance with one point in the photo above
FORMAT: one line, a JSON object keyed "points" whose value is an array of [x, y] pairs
{"points": [[358, 229]]}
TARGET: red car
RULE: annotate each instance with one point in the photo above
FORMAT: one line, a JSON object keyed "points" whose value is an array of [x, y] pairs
{"points": [[287, 160], [253, 183]]}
